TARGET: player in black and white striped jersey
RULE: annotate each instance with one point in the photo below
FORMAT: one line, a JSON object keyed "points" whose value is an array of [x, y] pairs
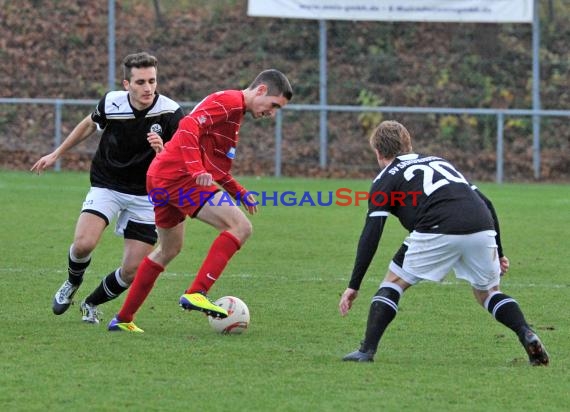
{"points": [[452, 225], [134, 123]]}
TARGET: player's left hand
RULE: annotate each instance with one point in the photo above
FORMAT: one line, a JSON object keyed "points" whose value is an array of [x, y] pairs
{"points": [[250, 204], [155, 141], [505, 264], [346, 300]]}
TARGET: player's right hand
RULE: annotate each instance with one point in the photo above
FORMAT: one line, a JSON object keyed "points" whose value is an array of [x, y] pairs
{"points": [[45, 162], [155, 141], [346, 300], [204, 179]]}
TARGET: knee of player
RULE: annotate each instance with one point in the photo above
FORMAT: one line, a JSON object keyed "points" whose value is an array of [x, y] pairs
{"points": [[128, 273], [82, 247], [166, 255], [243, 229]]}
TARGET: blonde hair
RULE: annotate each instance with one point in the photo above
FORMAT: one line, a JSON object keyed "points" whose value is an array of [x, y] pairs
{"points": [[391, 139]]}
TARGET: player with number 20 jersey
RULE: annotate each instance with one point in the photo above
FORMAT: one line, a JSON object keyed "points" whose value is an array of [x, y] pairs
{"points": [[452, 227]]}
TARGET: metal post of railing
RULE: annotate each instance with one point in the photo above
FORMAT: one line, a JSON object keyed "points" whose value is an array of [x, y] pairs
{"points": [[323, 132], [57, 137], [111, 44], [278, 142], [500, 161], [536, 105]]}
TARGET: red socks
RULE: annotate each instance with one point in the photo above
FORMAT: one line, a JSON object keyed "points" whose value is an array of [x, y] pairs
{"points": [[221, 251], [147, 273]]}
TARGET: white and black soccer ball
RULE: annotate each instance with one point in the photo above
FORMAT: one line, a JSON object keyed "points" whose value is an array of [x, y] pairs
{"points": [[238, 316]]}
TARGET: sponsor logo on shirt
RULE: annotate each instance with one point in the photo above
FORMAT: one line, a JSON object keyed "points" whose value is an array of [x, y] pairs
{"points": [[156, 128], [231, 153]]}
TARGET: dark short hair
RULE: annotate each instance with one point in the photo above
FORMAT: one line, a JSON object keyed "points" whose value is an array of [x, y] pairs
{"points": [[276, 82], [138, 60]]}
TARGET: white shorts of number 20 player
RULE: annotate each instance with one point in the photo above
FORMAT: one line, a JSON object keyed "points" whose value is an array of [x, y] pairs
{"points": [[134, 214], [430, 256]]}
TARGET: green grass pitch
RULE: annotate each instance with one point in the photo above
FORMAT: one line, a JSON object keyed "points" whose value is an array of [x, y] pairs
{"points": [[442, 353]]}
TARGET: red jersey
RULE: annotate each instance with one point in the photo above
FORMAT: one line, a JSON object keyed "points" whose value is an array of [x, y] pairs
{"points": [[205, 141]]}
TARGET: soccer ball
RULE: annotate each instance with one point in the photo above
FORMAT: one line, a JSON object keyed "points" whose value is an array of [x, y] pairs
{"points": [[238, 316]]}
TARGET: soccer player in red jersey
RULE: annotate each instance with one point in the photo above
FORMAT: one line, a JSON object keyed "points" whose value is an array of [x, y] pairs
{"points": [[186, 179]]}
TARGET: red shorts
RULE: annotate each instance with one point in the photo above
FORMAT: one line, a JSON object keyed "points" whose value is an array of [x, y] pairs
{"points": [[173, 200]]}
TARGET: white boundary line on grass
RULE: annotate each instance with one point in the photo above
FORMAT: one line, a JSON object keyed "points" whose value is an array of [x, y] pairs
{"points": [[308, 279]]}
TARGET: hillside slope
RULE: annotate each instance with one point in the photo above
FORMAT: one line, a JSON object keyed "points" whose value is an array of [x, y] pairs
{"points": [[59, 50]]}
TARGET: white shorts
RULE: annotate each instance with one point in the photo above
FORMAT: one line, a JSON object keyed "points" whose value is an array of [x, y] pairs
{"points": [[473, 258], [108, 204]]}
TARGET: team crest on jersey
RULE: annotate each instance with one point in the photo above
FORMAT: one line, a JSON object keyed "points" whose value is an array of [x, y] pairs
{"points": [[202, 119], [231, 153], [156, 128]]}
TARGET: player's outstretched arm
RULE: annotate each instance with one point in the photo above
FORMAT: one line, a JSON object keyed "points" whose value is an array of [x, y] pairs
{"points": [[82, 131]]}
